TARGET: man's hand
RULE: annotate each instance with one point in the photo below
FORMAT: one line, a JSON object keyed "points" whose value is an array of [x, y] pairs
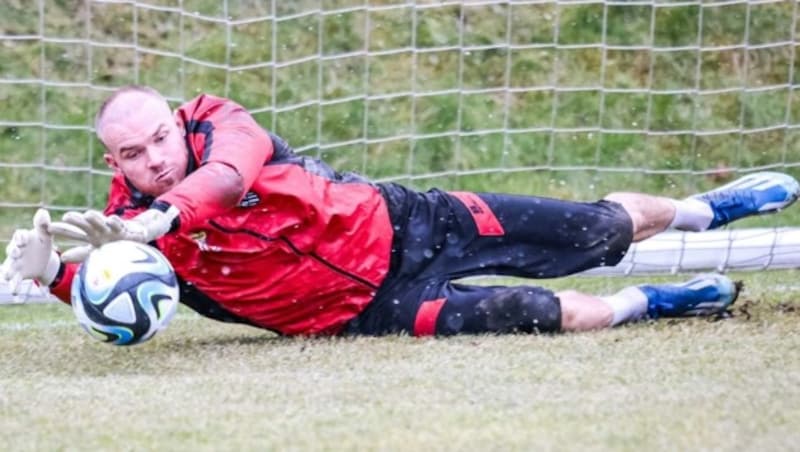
{"points": [[95, 229], [30, 254]]}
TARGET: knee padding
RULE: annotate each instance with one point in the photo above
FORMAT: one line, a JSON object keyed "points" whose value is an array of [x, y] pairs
{"points": [[522, 309]]}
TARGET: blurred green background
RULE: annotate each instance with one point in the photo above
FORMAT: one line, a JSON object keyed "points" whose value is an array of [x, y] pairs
{"points": [[560, 99]]}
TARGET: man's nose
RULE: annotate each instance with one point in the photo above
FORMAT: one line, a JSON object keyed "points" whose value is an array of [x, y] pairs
{"points": [[155, 157]]}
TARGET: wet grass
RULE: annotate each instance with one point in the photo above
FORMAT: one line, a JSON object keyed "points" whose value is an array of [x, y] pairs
{"points": [[201, 385]]}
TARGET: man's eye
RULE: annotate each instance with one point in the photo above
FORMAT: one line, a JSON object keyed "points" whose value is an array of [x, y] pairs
{"points": [[160, 138]]}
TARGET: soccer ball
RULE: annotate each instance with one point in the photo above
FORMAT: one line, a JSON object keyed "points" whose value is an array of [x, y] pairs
{"points": [[124, 293]]}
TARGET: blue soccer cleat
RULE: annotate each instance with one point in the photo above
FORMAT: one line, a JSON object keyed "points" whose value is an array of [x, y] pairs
{"points": [[753, 194], [703, 295]]}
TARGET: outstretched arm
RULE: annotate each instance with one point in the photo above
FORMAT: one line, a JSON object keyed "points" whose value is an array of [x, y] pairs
{"points": [[234, 151]]}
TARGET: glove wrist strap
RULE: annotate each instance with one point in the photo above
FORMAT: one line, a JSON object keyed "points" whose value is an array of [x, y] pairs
{"points": [[171, 211]]}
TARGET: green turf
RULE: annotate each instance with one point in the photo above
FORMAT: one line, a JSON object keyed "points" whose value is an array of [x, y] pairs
{"points": [[669, 385]]}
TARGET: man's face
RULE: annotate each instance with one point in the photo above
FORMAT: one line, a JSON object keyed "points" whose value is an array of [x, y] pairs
{"points": [[144, 142]]}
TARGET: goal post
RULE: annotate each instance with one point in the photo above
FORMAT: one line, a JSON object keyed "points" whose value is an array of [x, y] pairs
{"points": [[570, 99]]}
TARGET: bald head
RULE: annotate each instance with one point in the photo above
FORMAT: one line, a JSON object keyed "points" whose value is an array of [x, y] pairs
{"points": [[123, 102]]}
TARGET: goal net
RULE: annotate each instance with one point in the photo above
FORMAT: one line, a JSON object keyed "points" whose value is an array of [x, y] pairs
{"points": [[570, 99]]}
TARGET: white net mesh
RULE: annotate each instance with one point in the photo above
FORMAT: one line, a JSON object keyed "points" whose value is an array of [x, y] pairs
{"points": [[561, 98]]}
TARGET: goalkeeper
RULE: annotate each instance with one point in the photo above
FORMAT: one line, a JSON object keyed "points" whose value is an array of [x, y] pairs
{"points": [[263, 236]]}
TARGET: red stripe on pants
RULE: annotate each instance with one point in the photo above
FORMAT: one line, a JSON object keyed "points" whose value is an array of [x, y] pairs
{"points": [[485, 220], [425, 322]]}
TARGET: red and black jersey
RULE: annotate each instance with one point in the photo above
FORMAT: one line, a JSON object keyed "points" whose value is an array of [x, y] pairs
{"points": [[303, 252]]}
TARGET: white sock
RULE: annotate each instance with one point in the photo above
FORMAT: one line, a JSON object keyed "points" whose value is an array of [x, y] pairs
{"points": [[628, 304], [691, 215]]}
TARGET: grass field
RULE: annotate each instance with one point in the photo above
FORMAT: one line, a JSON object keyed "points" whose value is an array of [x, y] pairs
{"points": [[732, 384], [554, 98]]}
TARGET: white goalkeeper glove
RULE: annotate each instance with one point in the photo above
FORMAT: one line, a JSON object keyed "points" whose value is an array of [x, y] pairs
{"points": [[30, 255], [95, 229]]}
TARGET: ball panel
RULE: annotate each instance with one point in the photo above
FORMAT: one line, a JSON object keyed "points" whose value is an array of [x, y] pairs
{"points": [[99, 335], [166, 308], [148, 294], [121, 309]]}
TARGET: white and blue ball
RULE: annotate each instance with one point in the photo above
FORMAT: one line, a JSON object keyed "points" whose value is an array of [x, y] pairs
{"points": [[124, 293]]}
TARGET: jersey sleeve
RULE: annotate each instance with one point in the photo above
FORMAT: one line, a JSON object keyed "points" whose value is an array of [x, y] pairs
{"points": [[61, 286], [219, 131], [122, 202]]}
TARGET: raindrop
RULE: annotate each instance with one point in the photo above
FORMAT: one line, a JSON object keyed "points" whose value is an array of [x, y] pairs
{"points": [[427, 253], [455, 322], [225, 270]]}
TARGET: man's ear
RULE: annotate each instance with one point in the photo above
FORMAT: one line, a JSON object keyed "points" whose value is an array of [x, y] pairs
{"points": [[110, 161]]}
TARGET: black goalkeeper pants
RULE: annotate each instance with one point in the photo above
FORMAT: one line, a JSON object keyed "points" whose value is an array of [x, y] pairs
{"points": [[443, 236]]}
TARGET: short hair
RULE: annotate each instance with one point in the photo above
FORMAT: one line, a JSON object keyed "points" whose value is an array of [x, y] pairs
{"points": [[119, 91]]}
